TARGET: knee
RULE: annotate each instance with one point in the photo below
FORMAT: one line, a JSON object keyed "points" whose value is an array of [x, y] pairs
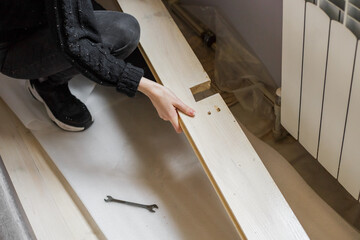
{"points": [[135, 29], [128, 30], [120, 32]]}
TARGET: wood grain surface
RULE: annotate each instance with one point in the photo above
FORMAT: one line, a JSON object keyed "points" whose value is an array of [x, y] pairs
{"points": [[250, 196], [46, 198]]}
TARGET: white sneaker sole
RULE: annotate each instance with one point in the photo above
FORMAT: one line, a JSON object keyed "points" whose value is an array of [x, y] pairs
{"points": [[52, 117]]}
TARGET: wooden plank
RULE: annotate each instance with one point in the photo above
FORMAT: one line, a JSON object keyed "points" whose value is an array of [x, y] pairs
{"points": [[338, 79], [292, 50], [238, 175], [315, 55], [52, 212], [253, 201], [349, 172]]}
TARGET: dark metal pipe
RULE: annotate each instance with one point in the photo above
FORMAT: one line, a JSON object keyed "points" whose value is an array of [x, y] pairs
{"points": [[208, 36]]}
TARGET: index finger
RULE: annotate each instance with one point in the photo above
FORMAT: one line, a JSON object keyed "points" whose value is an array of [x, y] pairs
{"points": [[184, 108]]}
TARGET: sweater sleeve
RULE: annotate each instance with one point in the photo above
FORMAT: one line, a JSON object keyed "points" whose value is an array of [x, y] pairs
{"points": [[74, 27]]}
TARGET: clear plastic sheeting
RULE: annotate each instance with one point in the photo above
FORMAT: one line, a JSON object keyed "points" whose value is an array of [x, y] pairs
{"points": [[234, 61], [254, 111], [239, 71], [130, 154]]}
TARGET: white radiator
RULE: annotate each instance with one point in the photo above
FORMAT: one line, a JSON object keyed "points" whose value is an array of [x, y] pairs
{"points": [[320, 99]]}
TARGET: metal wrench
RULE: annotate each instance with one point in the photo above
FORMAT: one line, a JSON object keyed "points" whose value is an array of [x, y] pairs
{"points": [[148, 207]]}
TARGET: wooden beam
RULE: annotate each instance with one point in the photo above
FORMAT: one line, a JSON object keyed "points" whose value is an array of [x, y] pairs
{"points": [[250, 196], [53, 209]]}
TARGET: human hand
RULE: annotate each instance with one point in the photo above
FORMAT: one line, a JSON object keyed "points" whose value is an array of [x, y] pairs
{"points": [[165, 102]]}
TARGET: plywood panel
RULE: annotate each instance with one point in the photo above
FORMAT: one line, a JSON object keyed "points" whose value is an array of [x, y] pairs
{"points": [[349, 173], [292, 51], [51, 211], [338, 79], [315, 56], [253, 201]]}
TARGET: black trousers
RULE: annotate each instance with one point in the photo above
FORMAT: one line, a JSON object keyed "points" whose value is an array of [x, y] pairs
{"points": [[37, 56]]}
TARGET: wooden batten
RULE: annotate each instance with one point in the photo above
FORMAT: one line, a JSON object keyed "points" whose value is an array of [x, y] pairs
{"points": [[247, 191], [53, 209]]}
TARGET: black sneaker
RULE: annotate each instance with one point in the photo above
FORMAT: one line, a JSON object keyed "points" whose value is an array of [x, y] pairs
{"points": [[63, 108]]}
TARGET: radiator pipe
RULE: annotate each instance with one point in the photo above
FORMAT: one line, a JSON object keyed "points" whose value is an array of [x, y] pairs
{"points": [[209, 38], [278, 131]]}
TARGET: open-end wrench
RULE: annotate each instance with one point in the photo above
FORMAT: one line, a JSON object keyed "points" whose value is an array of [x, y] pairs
{"points": [[148, 207]]}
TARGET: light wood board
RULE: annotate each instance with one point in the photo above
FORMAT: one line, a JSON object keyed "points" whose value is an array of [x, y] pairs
{"points": [[337, 87], [44, 195], [250, 196], [315, 56], [292, 56], [349, 173]]}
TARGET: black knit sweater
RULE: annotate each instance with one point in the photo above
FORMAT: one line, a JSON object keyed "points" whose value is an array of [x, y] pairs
{"points": [[73, 25]]}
